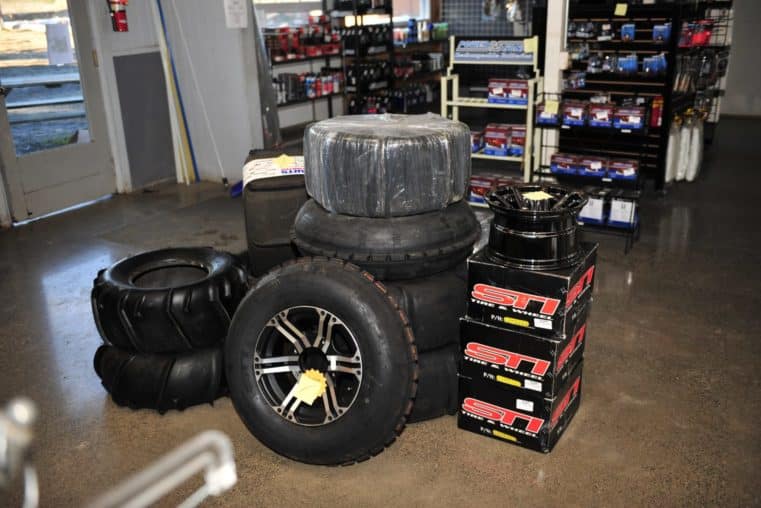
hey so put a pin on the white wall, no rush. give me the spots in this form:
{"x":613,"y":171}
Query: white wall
{"x":743,"y":96}
{"x":216,"y":70}
{"x":141,"y":38}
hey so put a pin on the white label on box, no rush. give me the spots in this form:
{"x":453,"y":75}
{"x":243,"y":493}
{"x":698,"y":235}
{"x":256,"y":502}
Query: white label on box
{"x":621,"y":211}
{"x":593,"y":209}
{"x":532,"y":385}
{"x":634,"y":119}
{"x":629,"y":171}
{"x":284,"y":165}
{"x":524,"y":405}
{"x":516,"y":93}
{"x":577,"y":112}
{"x":596,"y":165}
{"x":543,"y":323}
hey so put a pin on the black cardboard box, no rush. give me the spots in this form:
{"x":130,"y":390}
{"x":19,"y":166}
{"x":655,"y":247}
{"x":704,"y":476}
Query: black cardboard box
{"x":538,"y":365}
{"x":543,"y":303}
{"x":509,"y":415}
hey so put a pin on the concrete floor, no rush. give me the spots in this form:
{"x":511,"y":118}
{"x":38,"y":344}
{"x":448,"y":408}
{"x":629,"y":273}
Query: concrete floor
{"x":671,"y":402}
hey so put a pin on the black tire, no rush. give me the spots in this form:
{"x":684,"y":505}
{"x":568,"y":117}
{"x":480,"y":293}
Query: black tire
{"x":161,"y":382}
{"x":434,"y":305}
{"x":168,"y":301}
{"x":391,"y":249}
{"x":374,"y":414}
{"x":437,"y":384}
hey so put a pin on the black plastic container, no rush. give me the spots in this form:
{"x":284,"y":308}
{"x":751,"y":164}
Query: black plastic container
{"x":534,"y":226}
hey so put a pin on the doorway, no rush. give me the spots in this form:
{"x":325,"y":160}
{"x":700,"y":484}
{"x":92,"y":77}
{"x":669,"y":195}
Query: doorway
{"x":54,"y":147}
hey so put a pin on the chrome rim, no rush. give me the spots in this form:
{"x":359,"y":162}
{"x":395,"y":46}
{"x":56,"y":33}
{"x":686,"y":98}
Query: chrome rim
{"x":298,"y":339}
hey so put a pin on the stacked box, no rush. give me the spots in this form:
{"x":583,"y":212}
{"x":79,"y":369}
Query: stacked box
{"x":522,"y":344}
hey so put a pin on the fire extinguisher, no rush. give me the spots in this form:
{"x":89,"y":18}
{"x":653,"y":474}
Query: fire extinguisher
{"x":118,"y":10}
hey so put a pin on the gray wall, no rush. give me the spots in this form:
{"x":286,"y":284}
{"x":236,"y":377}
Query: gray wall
{"x":744,"y":78}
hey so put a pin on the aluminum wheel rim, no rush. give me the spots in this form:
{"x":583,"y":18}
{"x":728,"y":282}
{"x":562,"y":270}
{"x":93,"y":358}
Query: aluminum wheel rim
{"x":300,"y":338}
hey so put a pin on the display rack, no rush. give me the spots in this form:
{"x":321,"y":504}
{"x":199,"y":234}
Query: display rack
{"x":649,"y":147}
{"x":452,"y":102}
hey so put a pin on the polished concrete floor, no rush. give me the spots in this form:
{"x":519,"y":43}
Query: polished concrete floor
{"x":671,"y":404}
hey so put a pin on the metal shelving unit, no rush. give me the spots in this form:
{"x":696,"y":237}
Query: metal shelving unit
{"x":452,"y":101}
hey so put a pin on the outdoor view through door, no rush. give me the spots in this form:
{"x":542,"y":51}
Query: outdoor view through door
{"x":38,"y":67}
{"x":53,"y":140}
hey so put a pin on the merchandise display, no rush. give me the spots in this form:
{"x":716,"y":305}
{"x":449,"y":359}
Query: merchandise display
{"x":300,"y":43}
{"x":386,"y":165}
{"x":292,"y":87}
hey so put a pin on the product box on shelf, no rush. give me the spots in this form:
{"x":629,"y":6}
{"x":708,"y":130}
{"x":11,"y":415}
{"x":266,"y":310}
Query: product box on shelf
{"x":630,"y":117}
{"x":593,"y":166}
{"x":594,"y":211}
{"x":508,"y":91}
{"x":628,"y":32}
{"x":623,"y":169}
{"x":662,"y":33}
{"x":545,"y":303}
{"x":564,"y":164}
{"x":574,"y":113}
{"x":479,"y":186}
{"x":496,"y":139}
{"x":545,"y":117}
{"x":517,"y":141}
{"x":623,"y":212}
{"x":476,"y":141}
{"x":527,"y":362}
{"x":510,"y":415}
{"x":601,"y":115}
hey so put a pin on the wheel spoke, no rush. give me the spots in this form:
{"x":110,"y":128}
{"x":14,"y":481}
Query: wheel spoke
{"x":347,"y":364}
{"x":292,"y":334}
{"x":290,"y":400}
{"x":330,"y":402}
{"x":289,"y":364}
{"x":325,"y":330}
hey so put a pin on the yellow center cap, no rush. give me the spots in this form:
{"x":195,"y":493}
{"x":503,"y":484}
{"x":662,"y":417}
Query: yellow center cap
{"x":310,"y":386}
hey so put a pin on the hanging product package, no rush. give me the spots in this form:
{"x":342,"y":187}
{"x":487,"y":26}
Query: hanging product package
{"x":684,"y":150}
{"x":387,"y":165}
{"x":696,"y":150}
{"x":672,"y":155}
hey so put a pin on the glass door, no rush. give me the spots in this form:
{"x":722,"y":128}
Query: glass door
{"x":53,"y":143}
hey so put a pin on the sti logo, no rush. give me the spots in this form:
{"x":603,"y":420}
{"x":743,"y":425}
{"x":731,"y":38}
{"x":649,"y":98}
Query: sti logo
{"x":515,"y":299}
{"x":580,"y":286}
{"x":575,"y":342}
{"x":508,"y":359}
{"x":501,"y":414}
{"x":565,"y":402}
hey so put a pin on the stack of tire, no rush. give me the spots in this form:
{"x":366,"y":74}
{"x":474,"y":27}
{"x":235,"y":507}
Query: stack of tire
{"x":163,"y":316}
{"x":373,"y":308}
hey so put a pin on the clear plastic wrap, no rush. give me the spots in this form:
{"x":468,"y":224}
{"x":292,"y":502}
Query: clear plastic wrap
{"x":684,"y":150}
{"x":386,"y":165}
{"x":672,"y":153}
{"x":696,"y":150}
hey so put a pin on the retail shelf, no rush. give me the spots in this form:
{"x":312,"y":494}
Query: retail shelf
{"x":605,"y":132}
{"x":306,"y":59}
{"x":505,"y":158}
{"x":412,"y":46}
{"x":360,"y":12}
{"x":307,"y":100}
{"x":526,"y":63}
{"x":418,"y":76}
{"x":475,"y":102}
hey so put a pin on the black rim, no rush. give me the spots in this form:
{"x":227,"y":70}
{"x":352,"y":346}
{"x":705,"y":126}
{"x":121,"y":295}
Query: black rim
{"x":534,"y":226}
{"x":304,"y":338}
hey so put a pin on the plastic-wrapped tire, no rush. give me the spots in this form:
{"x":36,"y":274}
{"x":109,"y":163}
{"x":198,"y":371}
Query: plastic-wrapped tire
{"x":386,"y":165}
{"x":685,"y":143}
{"x":393,"y":248}
{"x":168,"y":301}
{"x":434,"y":306}
{"x":328,"y":316}
{"x":161,"y":382}
{"x":437,"y":384}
